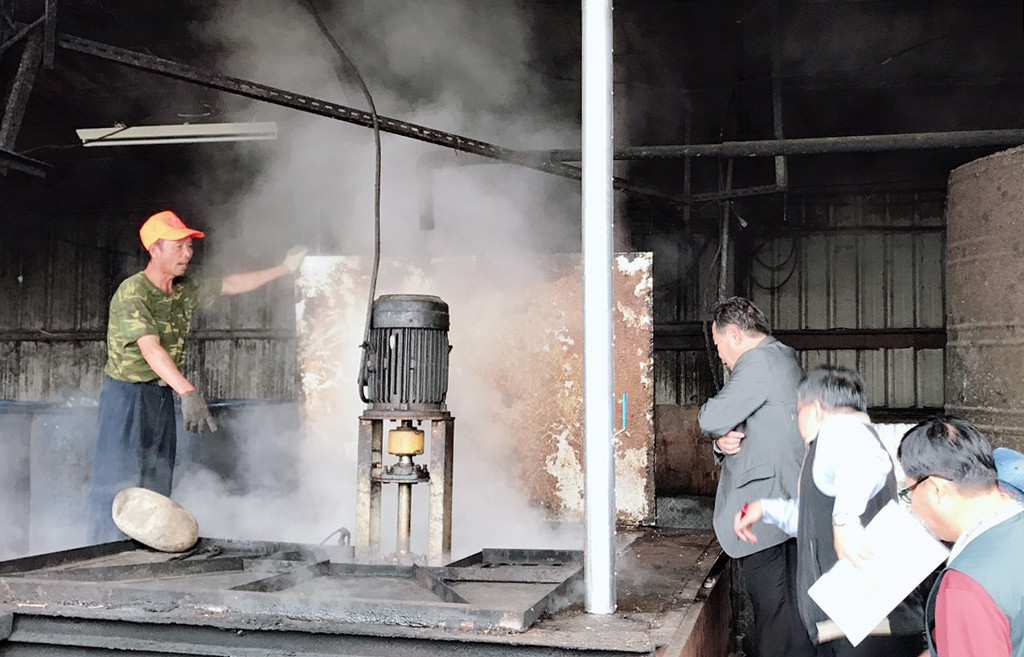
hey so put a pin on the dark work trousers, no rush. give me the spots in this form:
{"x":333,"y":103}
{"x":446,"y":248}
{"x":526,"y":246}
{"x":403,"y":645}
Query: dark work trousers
{"x":770,"y":577}
{"x":135,"y":448}
{"x":876,"y":646}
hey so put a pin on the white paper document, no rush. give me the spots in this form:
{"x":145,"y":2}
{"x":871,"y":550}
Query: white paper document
{"x":858,"y":599}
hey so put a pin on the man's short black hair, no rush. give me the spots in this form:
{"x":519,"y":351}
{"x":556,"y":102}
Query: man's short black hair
{"x":834,"y":388}
{"x":949,"y":447}
{"x":742,"y":313}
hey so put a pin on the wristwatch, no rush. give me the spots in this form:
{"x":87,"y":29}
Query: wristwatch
{"x":843,"y":519}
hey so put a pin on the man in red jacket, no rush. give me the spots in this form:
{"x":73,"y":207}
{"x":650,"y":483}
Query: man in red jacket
{"x":976,"y":607}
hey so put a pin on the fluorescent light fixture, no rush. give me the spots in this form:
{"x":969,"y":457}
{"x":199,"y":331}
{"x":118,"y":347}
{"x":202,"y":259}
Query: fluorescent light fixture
{"x":188,"y":133}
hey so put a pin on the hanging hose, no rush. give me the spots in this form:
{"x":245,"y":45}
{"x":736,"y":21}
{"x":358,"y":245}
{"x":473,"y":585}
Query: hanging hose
{"x":365,"y":346}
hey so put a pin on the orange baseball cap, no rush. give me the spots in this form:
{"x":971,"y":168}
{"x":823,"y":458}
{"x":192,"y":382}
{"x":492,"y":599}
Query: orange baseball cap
{"x":165,"y":226}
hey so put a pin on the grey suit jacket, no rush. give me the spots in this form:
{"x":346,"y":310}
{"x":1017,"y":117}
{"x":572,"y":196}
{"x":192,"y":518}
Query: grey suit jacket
{"x":759,"y":400}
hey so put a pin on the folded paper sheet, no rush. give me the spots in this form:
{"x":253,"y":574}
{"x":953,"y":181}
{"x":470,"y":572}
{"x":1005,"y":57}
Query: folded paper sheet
{"x":859,"y":599}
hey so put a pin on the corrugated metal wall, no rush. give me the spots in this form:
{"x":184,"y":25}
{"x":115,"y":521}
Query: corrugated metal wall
{"x":839,"y":262}
{"x":685,"y":286}
{"x":56,"y":278}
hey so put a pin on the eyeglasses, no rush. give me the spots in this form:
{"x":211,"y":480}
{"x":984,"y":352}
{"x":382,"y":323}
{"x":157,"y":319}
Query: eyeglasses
{"x":905,"y":493}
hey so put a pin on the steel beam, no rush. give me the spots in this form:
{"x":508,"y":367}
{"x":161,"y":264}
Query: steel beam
{"x":338,"y":112}
{"x":781,"y":173}
{"x":6,"y":43}
{"x":17,"y":100}
{"x":689,"y":336}
{"x":21,"y":163}
{"x":20,"y":89}
{"x":810,"y":145}
{"x":50,"y":32}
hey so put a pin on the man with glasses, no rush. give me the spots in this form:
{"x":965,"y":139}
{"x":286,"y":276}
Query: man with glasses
{"x":976,"y":607}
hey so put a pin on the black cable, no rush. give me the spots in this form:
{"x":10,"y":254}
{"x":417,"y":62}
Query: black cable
{"x":794,"y":262}
{"x":708,"y":343}
{"x":376,"y":191}
{"x":774,"y":266}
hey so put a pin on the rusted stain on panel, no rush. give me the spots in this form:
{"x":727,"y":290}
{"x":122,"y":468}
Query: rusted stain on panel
{"x":516,"y":365}
{"x":685,"y":462}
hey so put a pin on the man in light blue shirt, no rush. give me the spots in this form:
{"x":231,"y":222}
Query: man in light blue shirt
{"x":847,"y":477}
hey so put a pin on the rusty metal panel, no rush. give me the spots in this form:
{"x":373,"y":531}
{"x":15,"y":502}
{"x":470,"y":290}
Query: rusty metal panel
{"x":666,"y":376}
{"x":696,"y":374}
{"x":516,"y":365}
{"x":10,"y":284}
{"x":10,"y":369}
{"x":34,"y":358}
{"x":685,"y":461}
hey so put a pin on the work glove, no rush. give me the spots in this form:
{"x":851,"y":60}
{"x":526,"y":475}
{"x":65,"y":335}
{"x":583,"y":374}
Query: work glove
{"x":293,"y":259}
{"x":196,"y":413}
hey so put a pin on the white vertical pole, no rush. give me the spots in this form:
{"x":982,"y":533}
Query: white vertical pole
{"x":598,"y":372}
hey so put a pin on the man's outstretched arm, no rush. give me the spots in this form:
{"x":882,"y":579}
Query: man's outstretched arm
{"x":251,"y":280}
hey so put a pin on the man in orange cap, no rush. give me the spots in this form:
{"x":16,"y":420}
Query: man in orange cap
{"x":150,"y":317}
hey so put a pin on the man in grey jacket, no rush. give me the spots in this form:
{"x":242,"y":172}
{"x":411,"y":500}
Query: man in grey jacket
{"x":757,"y":443}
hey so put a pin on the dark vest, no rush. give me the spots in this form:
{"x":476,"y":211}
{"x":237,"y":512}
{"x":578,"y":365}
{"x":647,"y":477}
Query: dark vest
{"x":816,"y":551}
{"x":992,"y":560}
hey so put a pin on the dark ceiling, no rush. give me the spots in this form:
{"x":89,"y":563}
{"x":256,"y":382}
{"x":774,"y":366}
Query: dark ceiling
{"x":685,"y":72}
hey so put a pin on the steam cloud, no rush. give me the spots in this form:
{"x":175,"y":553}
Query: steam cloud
{"x":455,"y":65}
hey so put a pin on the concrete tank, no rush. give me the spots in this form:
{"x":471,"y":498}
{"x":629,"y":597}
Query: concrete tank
{"x":985,"y":265}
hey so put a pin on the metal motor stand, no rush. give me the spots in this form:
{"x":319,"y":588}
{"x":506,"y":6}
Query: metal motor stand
{"x":372,"y":474}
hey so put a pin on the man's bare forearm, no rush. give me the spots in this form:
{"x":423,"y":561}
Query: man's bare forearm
{"x":161,"y":362}
{"x":251,"y":280}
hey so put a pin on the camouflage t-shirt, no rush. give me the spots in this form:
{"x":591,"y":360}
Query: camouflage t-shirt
{"x":140,"y":308}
